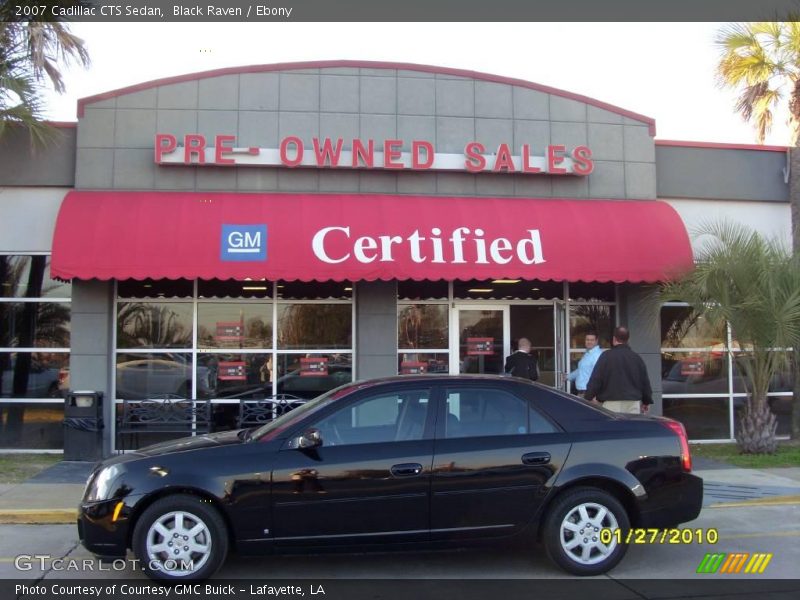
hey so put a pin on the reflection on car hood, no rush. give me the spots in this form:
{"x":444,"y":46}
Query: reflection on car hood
{"x":192,"y":443}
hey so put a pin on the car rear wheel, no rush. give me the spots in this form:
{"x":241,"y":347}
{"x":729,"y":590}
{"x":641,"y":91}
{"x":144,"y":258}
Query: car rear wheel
{"x":180,"y":538}
{"x":573,"y":531}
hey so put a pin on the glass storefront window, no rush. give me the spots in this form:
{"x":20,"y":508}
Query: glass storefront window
{"x":154,"y":325}
{"x":33,"y":384}
{"x":158,"y":375}
{"x":697,"y":373}
{"x":592,"y":291}
{"x":28,"y":276}
{"x":480,"y":340}
{"x":234,"y":325}
{"x":34,"y":374}
{"x":584,"y":318}
{"x":314,"y":326}
{"x":507,"y":289}
{"x":536,"y":324}
{"x":315,"y":290}
{"x":237,"y":376}
{"x":782,"y":380}
{"x":704,"y":418}
{"x":422,"y":326}
{"x":779,"y":404}
{"x":216,"y":288}
{"x":218,"y":345}
{"x":34,"y":324}
{"x":32,"y":425}
{"x":417,"y":363}
{"x":309,"y":375}
{"x":422,"y":290}
{"x":155,"y":288}
{"x":680,"y":328}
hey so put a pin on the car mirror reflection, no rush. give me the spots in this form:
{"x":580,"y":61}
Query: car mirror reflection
{"x":310,"y":439}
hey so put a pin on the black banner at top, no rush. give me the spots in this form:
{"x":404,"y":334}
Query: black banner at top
{"x":260,"y":11}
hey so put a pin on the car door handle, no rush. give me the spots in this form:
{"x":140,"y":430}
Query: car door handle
{"x":406,"y":470}
{"x":536,"y":458}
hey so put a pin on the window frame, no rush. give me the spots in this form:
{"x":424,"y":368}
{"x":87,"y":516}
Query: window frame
{"x":442,"y":411}
{"x":273,"y":300}
{"x":372,"y":394}
{"x":37,"y":400}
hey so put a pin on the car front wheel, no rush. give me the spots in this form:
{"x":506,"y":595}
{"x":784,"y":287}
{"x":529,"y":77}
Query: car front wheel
{"x":180,"y":538}
{"x":580,"y":531}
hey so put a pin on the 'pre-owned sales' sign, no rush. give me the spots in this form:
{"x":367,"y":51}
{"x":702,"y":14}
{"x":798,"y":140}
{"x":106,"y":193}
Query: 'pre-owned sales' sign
{"x":330,"y":153}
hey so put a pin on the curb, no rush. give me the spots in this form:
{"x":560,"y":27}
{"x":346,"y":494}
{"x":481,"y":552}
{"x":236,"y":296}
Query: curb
{"x":35,"y":516}
{"x":772,"y":501}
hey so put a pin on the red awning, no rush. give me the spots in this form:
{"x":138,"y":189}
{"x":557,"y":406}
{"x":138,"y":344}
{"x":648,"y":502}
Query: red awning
{"x":122,"y":235}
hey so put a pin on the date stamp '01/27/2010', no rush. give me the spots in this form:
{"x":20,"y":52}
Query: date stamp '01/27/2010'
{"x":660,"y":536}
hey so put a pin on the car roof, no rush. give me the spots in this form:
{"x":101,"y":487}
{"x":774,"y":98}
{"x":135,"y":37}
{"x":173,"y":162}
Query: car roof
{"x":433,"y":377}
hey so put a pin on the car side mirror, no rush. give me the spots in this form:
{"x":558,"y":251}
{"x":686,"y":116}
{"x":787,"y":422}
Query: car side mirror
{"x":310,"y":439}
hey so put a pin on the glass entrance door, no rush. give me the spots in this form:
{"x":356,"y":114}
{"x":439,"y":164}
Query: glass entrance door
{"x":561,"y":337}
{"x":479,"y":339}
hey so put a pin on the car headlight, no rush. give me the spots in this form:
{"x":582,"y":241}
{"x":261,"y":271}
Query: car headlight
{"x":99,"y":485}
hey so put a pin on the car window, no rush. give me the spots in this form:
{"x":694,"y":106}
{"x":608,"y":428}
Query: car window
{"x":387,"y":417}
{"x":475,"y":412}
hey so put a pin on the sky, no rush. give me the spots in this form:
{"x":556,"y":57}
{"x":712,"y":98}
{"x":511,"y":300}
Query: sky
{"x":660,"y":70}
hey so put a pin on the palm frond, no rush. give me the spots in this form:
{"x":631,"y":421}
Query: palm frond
{"x":760,"y":59}
{"x":31,"y":53}
{"x":47,"y":44}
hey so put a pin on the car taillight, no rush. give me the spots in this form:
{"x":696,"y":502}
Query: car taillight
{"x":680,"y":431}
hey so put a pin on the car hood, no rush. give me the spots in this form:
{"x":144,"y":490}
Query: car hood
{"x":225,"y":438}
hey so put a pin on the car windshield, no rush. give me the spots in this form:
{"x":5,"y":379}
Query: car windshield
{"x":277,"y":426}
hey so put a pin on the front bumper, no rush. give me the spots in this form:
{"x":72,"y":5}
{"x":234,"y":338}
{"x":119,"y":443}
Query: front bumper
{"x":103,"y":528}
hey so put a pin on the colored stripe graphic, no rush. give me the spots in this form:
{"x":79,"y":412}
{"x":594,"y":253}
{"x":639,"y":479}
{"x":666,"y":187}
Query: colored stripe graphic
{"x":758,"y":563}
{"x":733,"y":561}
{"x":711,"y":563}
{"x":721,"y":562}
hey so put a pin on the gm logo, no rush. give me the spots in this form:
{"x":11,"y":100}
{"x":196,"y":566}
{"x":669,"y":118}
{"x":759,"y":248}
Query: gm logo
{"x":243,"y":242}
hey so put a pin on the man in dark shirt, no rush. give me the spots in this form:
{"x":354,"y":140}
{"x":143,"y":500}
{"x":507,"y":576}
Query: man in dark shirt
{"x":521,"y":363}
{"x":619,"y":380}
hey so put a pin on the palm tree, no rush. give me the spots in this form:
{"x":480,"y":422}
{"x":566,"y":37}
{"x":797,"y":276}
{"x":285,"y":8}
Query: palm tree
{"x":763,"y":61}
{"x":754,"y":285}
{"x":31,"y":53}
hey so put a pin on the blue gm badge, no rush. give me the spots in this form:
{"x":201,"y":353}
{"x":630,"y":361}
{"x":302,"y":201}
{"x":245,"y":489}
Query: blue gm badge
{"x":243,"y":243}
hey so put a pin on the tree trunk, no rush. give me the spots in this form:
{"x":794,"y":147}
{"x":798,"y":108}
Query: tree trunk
{"x":757,"y":429}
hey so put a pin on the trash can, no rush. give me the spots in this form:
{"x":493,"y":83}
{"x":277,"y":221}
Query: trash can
{"x":83,"y":426}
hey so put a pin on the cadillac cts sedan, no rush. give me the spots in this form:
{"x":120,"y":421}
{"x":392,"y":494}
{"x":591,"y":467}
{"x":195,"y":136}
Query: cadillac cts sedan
{"x":431,"y":459}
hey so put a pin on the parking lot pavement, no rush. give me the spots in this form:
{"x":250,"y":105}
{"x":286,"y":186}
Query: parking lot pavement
{"x":742,"y":529}
{"x":25,"y":541}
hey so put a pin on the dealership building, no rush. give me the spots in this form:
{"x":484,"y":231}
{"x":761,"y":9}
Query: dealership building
{"x":278,"y":230}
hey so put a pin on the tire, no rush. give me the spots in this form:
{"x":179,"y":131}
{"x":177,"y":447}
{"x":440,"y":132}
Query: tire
{"x":574,"y":512}
{"x":202,"y":552}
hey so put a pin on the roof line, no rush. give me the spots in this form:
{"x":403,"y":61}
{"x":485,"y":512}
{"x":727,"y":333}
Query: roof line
{"x":63,"y":124}
{"x":326,"y":64}
{"x":721,"y":145}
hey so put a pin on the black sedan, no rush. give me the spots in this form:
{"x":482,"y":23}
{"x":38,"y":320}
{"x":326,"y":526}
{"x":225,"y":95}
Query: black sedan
{"x":435,"y":460}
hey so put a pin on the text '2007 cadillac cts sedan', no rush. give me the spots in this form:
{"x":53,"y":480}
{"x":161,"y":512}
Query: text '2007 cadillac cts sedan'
{"x":426,"y":459}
